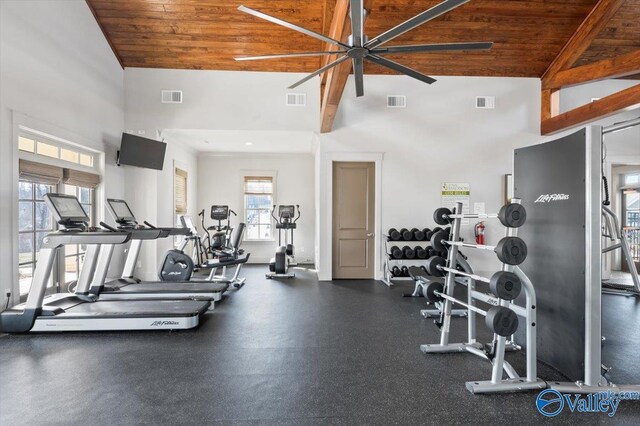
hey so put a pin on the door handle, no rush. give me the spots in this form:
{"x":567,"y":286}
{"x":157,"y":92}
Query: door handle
{"x":370,"y":235}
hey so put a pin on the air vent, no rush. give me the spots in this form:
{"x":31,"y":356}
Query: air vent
{"x":396,"y":101}
{"x":486,"y":102}
{"x":172,"y":96}
{"x":296,"y":99}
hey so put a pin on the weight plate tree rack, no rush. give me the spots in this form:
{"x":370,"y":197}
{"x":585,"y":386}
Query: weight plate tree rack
{"x":389,"y":260}
{"x":561,"y":183}
{"x":502,"y":316}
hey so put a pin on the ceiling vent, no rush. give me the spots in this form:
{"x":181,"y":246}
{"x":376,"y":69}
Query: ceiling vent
{"x":296,"y":99}
{"x":172,"y":96}
{"x":396,"y":101}
{"x":486,"y":102}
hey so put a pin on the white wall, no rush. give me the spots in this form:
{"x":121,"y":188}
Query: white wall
{"x":439,"y":137}
{"x":57,"y":69}
{"x":220,"y":180}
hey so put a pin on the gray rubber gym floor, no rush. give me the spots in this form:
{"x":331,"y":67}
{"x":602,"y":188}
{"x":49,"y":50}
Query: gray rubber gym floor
{"x":284,"y":352}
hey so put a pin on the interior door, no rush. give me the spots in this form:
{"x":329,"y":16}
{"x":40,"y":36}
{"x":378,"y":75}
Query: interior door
{"x":353,"y":220}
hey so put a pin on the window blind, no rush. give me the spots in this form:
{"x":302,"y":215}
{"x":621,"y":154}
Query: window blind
{"x":257,"y":185}
{"x":40,"y":173}
{"x":83,"y":179}
{"x":180,"y":191}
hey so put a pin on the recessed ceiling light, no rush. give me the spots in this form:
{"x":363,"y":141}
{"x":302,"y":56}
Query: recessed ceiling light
{"x":248,"y":143}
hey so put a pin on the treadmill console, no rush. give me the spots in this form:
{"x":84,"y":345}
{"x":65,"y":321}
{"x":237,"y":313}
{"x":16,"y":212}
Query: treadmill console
{"x":219,"y":212}
{"x":67,"y":211}
{"x":121,"y":213}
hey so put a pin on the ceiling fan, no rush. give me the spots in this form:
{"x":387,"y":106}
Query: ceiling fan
{"x":360,"y":48}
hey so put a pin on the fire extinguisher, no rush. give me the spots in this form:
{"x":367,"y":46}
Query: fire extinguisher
{"x":479,"y":231}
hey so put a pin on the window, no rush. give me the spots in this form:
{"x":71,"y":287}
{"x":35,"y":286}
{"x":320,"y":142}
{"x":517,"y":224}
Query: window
{"x":633,"y":179}
{"x":180,"y":178}
{"x":258,"y":201}
{"x":34,"y":222}
{"x":50,"y":149}
{"x":74,"y":254}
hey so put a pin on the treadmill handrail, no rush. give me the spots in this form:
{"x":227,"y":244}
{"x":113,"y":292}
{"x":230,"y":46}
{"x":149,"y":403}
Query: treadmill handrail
{"x":61,"y":238}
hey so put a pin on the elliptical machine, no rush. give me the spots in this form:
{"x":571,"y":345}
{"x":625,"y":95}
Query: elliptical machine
{"x":285,"y":254}
{"x":220,"y":235}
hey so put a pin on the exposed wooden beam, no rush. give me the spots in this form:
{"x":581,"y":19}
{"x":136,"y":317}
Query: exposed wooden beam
{"x":624,"y":100}
{"x":334,"y":80}
{"x":621,"y":66}
{"x":550,"y":103}
{"x":104,"y":33}
{"x":590,"y":28}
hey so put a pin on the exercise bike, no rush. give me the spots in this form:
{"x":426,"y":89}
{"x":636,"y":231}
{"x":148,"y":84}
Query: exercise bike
{"x":285,"y":254}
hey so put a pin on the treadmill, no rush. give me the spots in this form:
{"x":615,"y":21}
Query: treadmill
{"x":73,"y":312}
{"x":128,"y":287}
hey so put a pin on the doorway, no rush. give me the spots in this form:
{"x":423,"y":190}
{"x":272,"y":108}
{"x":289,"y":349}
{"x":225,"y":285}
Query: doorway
{"x":353,"y":245}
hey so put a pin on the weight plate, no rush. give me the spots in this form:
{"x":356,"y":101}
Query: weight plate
{"x":429,"y":292}
{"x":437,"y":240}
{"x":441,"y":216}
{"x":512,"y":215}
{"x":505,"y":285}
{"x":502,"y":321}
{"x":432,"y":266}
{"x":511,"y":250}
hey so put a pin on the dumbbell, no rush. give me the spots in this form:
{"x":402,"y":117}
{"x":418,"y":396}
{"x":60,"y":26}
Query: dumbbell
{"x":418,"y":235}
{"x":406,"y":234}
{"x":426,"y":233}
{"x":404,"y":271}
{"x":503,"y":284}
{"x":421,"y":253}
{"x":510,"y":250}
{"x":431,"y":252}
{"x":396,"y":272}
{"x":394,"y":234}
{"x":396,"y":252}
{"x":499,"y":319}
{"x":408,"y":252}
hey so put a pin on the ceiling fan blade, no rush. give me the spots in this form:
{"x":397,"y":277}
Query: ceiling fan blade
{"x":320,"y":71}
{"x":357,"y":21}
{"x":358,"y":74}
{"x":412,"y":23}
{"x":400,"y":68}
{"x":292,"y":26}
{"x":433,"y":47}
{"x":288,"y":55}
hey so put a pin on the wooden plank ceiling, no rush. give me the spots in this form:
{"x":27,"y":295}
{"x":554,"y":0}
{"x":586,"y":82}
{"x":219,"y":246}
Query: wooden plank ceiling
{"x":207,"y":34}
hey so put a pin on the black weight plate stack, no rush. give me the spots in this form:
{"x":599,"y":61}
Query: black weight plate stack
{"x":505,"y":285}
{"x":502,"y":321}
{"x":433,"y":265}
{"x":441,"y":216}
{"x":511,"y":250}
{"x":512,"y":215}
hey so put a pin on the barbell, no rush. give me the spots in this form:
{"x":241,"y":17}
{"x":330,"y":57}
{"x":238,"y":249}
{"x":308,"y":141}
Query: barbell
{"x":511,"y":215}
{"x":510,"y":250}
{"x":499,"y":319}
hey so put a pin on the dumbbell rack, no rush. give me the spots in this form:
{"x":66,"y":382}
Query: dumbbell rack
{"x":388,"y":261}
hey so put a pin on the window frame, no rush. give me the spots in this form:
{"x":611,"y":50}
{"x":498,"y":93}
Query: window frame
{"x":259,"y":174}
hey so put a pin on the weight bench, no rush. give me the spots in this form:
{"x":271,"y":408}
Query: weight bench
{"x":223,"y":262}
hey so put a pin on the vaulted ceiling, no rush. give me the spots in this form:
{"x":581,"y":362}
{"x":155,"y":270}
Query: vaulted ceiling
{"x":207,"y":34}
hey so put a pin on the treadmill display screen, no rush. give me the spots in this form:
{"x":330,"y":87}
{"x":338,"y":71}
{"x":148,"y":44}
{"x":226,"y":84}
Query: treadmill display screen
{"x":120,"y":210}
{"x":67,"y":207}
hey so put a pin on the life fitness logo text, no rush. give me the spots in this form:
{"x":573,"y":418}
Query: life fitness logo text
{"x":548,"y":198}
{"x":163,"y":323}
